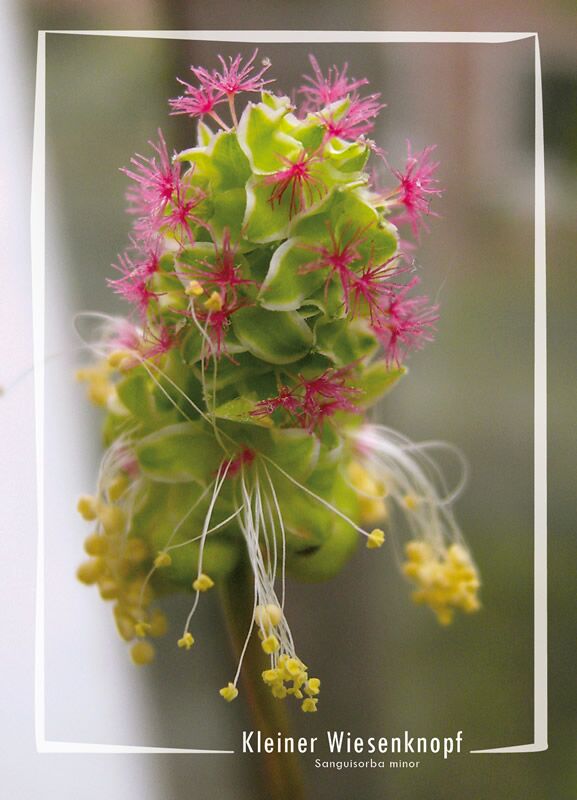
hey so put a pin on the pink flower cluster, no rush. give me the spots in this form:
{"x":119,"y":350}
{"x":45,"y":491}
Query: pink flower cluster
{"x":220,"y":86}
{"x":165,"y":201}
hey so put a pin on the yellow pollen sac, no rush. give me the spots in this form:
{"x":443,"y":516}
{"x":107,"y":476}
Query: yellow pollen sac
{"x":214,"y":302}
{"x":410,"y":502}
{"x":194,"y":289}
{"x":87,"y":506}
{"x":203,"y":583}
{"x":96,"y":544}
{"x":268,"y":616}
{"x":279,"y":691}
{"x":124,"y":624}
{"x":293,"y":667}
{"x":446,"y":580}
{"x":270,"y":645}
{"x":376,"y":538}
{"x":362,"y":480}
{"x":112,"y":519}
{"x":90,"y":571}
{"x":108,"y":588}
{"x":141,"y":629}
{"x":309,"y":705}
{"x":186,"y":641}
{"x":135,"y":550}
{"x":117,"y":487}
{"x":271,"y":676}
{"x":163,"y":559}
{"x":229,"y":692}
{"x":116,"y":358}
{"x":142,"y":653}
{"x":313,"y":686}
{"x":158,"y":624}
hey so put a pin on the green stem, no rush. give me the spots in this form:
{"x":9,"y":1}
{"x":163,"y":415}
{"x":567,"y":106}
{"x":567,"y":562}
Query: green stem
{"x":280,"y":772}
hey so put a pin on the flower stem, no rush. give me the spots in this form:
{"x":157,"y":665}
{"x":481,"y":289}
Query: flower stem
{"x":280,"y":772}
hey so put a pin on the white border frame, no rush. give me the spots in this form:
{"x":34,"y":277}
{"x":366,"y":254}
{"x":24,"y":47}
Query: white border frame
{"x":540,"y":723}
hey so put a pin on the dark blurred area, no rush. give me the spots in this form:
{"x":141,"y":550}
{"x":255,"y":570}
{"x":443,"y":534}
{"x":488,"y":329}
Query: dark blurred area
{"x":386,"y":665}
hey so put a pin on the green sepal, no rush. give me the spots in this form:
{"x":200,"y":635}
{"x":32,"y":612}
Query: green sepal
{"x":178,"y":454}
{"x":376,"y":380}
{"x":277,"y":337}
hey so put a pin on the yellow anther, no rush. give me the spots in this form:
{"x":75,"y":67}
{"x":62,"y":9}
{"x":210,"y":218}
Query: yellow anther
{"x":268,"y":616}
{"x":279,"y":691}
{"x":138,"y":592}
{"x":108,"y":588}
{"x":158,"y":624}
{"x":87,"y":507}
{"x":112,"y":519}
{"x":309,"y":705}
{"x":135,"y":550}
{"x":271,"y":676}
{"x":163,"y":559}
{"x":313,"y":686}
{"x":96,"y":544}
{"x":375,"y":539}
{"x":142,"y":653}
{"x":203,"y":583}
{"x":410,"y":502}
{"x":194,"y":289}
{"x":214,"y":302}
{"x":141,"y":629}
{"x":99,"y":392}
{"x":417,"y":551}
{"x":186,"y":641}
{"x":229,"y":692}
{"x":372,"y":511}
{"x":117,"y":487}
{"x":446,"y":580}
{"x":90,"y":571}
{"x":116,"y":358}
{"x":362,"y":480}
{"x":293,"y":667}
{"x":124,"y":624}
{"x":270,"y":644}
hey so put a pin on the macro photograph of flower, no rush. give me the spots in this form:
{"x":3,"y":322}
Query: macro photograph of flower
{"x":278,"y":365}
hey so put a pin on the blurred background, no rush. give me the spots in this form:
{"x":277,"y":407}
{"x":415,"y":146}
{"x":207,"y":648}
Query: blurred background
{"x":394,"y":669}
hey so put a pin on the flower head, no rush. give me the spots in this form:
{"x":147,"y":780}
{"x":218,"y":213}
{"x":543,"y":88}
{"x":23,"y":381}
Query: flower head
{"x":320,"y":90}
{"x":234,"y":76}
{"x":197,"y":101}
{"x":404,"y":323}
{"x":356,"y":121}
{"x":156,"y":181}
{"x":416,"y":188}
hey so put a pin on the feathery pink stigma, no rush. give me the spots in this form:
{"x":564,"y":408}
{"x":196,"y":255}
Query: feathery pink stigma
{"x":133,"y":285}
{"x":217,"y":322}
{"x":323,"y":91}
{"x":181,"y":216}
{"x":356,"y":121}
{"x":157,"y":343}
{"x":196,"y":101}
{"x":285,"y":399}
{"x":223,"y":273}
{"x":405,"y":323}
{"x":155,"y":183}
{"x":373,"y":284}
{"x":416,"y":188}
{"x":338,"y":258}
{"x":235,"y":76}
{"x":303,"y":185}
